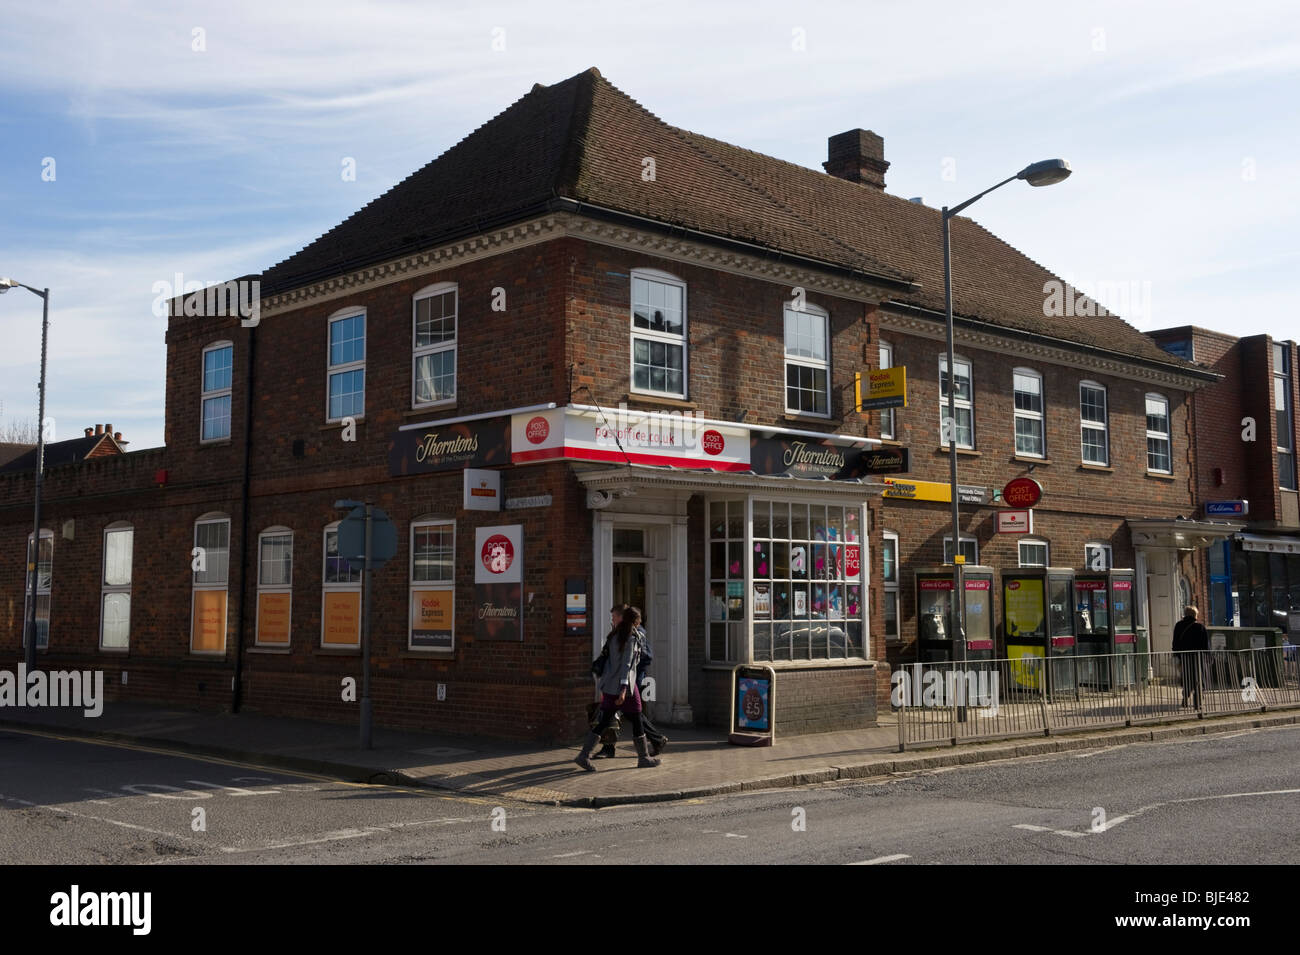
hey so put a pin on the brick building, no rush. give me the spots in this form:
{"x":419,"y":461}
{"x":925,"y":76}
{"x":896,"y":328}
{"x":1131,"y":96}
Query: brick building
{"x":649,"y":339}
{"x":1245,"y":432}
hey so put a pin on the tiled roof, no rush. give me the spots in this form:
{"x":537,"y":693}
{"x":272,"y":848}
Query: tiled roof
{"x":59,"y":452}
{"x":583,"y":139}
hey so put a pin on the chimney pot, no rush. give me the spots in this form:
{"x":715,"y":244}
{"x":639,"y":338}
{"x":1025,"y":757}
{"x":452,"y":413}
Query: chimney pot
{"x":108,"y":429}
{"x":857,"y":155}
{"x":117,"y":436}
{"x":99,"y":429}
{"x":90,"y":432}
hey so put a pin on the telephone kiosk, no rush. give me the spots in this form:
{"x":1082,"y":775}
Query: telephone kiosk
{"x":1039,"y":628}
{"x":937,"y":636}
{"x":1106,"y":625}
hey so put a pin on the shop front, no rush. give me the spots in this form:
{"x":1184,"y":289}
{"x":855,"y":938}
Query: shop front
{"x":769,"y":564}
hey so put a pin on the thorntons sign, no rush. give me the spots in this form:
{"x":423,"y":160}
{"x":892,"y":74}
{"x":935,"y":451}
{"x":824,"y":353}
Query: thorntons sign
{"x":808,"y":457}
{"x":469,"y":444}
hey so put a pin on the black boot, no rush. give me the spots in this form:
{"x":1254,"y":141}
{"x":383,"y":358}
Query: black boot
{"x":644,"y":761}
{"x":583,"y":759}
{"x":606,"y":752}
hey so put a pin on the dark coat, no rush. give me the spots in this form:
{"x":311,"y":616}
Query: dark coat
{"x":1190,"y":634}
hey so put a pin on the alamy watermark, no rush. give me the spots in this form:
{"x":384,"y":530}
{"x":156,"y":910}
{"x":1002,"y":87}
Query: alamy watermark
{"x":81,"y":688}
{"x":242,"y":297}
{"x":1130,"y":300}
{"x":945,"y":687}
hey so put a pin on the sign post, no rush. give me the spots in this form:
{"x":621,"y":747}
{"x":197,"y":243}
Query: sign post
{"x":366,"y":536}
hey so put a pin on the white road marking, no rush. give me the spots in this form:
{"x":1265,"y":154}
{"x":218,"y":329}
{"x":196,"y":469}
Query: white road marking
{"x":85,"y":815}
{"x":570,"y":855}
{"x":732,"y":835}
{"x":102,"y":792}
{"x":1112,"y":823}
{"x":233,"y":790}
{"x":142,"y":789}
{"x":1060,"y":832}
{"x":881,"y":860}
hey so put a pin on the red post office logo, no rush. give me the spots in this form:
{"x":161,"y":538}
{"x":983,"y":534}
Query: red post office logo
{"x":537,"y":430}
{"x":498,"y":554}
{"x":1022,"y":492}
{"x":712,"y":442}
{"x":852,"y":560}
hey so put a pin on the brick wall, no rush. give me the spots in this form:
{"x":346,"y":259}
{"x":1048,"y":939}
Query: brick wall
{"x":1080,"y":503}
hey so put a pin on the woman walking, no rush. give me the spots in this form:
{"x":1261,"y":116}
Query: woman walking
{"x":619,"y":691}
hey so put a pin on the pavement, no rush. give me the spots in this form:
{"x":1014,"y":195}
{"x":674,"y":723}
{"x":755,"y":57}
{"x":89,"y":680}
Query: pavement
{"x":696,"y":763}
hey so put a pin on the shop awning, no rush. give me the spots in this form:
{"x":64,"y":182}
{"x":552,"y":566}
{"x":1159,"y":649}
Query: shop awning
{"x":1180,"y":533}
{"x":1272,"y":545}
{"x":603,"y":484}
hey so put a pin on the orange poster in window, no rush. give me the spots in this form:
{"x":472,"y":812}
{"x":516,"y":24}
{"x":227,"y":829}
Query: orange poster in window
{"x":342,"y":618}
{"x":208,"y":626}
{"x":273,"y":618}
{"x":432,"y":619}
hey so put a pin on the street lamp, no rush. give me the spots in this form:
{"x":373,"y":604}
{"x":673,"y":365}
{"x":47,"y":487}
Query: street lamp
{"x":1044,"y":173}
{"x":29,"y":652}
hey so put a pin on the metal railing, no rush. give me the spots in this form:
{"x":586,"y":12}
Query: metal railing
{"x":966,"y":701}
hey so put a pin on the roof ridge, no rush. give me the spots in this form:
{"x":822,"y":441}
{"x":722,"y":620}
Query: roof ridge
{"x":687,"y":138}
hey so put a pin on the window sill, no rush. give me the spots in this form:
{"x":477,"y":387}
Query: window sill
{"x":273,"y":650}
{"x":808,"y":418}
{"x":968,"y":452}
{"x":116,"y":651}
{"x":890,"y":442}
{"x":779,"y":665}
{"x":1026,"y":459}
{"x":1161,"y":476}
{"x":646,"y":399}
{"x":425,"y":411}
{"x":338,"y":425}
{"x":1097,"y":467}
{"x":216,"y":443}
{"x":430,"y":654}
{"x":336,"y":651}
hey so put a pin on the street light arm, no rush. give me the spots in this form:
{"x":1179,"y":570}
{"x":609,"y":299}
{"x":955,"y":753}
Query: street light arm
{"x":6,"y":284}
{"x":949,"y":213}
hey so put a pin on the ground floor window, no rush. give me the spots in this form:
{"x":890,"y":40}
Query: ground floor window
{"x":789,"y":575}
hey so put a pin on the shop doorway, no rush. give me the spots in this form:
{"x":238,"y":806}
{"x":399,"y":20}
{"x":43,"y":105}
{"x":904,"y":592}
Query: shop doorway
{"x":630,"y":586}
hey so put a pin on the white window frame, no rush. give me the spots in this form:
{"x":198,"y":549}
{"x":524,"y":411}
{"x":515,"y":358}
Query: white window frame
{"x":265,"y":588}
{"x":1166,"y":436}
{"x":1105,"y":548}
{"x":32,"y":589}
{"x":328,"y":586}
{"x":211,"y":585}
{"x":1036,"y":542}
{"x":1087,"y":424}
{"x":891,"y":590}
{"x":1039,"y":416}
{"x":947,"y":548}
{"x":1284,"y":429}
{"x":682,"y":341}
{"x":106,"y":589}
{"x":803,"y":361}
{"x":418,"y":351}
{"x":958,"y":403}
{"x":448,"y":585}
{"x":216,"y":393}
{"x":332,"y":370}
{"x":886,"y":414}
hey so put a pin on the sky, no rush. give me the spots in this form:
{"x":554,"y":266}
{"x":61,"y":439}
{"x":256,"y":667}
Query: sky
{"x":142,"y":141}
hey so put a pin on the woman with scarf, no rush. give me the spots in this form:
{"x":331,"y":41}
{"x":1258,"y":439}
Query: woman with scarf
{"x":619,"y":692}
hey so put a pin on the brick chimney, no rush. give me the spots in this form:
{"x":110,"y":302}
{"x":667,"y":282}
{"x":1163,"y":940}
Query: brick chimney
{"x":99,"y":429}
{"x":90,"y":432}
{"x":858,"y":156}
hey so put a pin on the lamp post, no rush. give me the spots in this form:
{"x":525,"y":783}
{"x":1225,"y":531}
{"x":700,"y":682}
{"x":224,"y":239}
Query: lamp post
{"x":29,"y":652}
{"x":1044,"y":173}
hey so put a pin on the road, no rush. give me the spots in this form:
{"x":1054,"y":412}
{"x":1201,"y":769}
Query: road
{"x":1203,"y":800}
